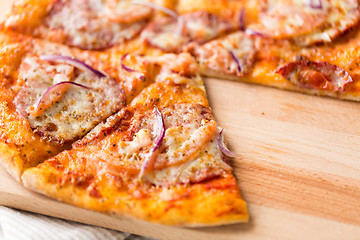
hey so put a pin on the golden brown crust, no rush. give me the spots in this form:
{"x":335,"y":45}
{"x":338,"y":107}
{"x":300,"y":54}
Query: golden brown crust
{"x":203,"y":204}
{"x":11,"y":160}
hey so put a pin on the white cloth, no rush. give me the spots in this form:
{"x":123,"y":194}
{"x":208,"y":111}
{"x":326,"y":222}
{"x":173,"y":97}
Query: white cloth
{"x":20,"y":225}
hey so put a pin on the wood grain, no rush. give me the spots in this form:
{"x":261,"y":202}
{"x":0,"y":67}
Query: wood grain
{"x":299,"y":168}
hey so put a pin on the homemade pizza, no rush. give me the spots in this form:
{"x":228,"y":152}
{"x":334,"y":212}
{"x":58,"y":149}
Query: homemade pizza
{"x":103,"y":104}
{"x":120,"y":134}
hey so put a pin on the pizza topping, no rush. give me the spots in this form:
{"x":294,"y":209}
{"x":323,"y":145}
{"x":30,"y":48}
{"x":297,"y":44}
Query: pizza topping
{"x":316,"y":75}
{"x":306,"y":21}
{"x":171,"y":34}
{"x":242,"y":20}
{"x":202,"y":26}
{"x":206,"y":165}
{"x":287,"y":18}
{"x":316,"y":4}
{"x":69,"y":111}
{"x":157,"y":7}
{"x":233,"y":55}
{"x":149,"y":162}
{"x":186,"y":152}
{"x":127,"y":11}
{"x":183,"y":64}
{"x":165,"y":35}
{"x":236,"y":60}
{"x":81,"y":23}
{"x":223,"y":147}
{"x":130,"y":70}
{"x":71,"y":61}
{"x":252,"y":32}
{"x":189,"y":130}
{"x":52,"y":94}
{"x":187,"y":148}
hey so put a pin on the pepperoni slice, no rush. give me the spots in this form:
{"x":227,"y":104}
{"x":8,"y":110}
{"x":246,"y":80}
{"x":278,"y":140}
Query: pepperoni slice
{"x":72,"y":111}
{"x":86,"y":24}
{"x":165,"y":34}
{"x":202,"y":26}
{"x":126,"y":11}
{"x":306,"y":21}
{"x":233,"y":55}
{"x":171,"y":34}
{"x":316,"y":75}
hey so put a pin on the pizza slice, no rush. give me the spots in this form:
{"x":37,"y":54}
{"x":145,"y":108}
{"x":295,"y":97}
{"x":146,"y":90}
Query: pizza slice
{"x":161,"y":159}
{"x":49,"y":96}
{"x":326,"y":70}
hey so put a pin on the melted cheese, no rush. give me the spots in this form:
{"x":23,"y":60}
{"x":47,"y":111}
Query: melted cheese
{"x":217,"y":55}
{"x":84,"y":25}
{"x":165,"y":34}
{"x":307,"y":24}
{"x":207,"y":164}
{"x":77,"y":111}
{"x":126,"y":11}
{"x":188,"y":151}
{"x":202,"y":26}
{"x":343,"y":16}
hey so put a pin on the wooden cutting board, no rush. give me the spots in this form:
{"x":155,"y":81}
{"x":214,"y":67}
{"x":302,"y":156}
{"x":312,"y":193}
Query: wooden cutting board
{"x":299,"y":168}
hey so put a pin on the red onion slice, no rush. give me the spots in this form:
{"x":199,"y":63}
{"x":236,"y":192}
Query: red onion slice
{"x":159,"y":128}
{"x":252,"y":32}
{"x":317,"y":4}
{"x":157,"y":7}
{"x":72,"y":61}
{"x":53,"y":87}
{"x":223,"y":147}
{"x":239,"y":68}
{"x":242,"y":20}
{"x":126,"y":68}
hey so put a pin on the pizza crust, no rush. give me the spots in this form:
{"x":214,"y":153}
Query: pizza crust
{"x":189,"y":212}
{"x":11,"y":161}
{"x":189,"y":184}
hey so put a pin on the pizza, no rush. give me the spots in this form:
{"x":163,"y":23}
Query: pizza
{"x":311,"y":45}
{"x":123,"y":134}
{"x":125,"y":140}
{"x":50,"y":98}
{"x":103,"y":104}
{"x":120,"y":166}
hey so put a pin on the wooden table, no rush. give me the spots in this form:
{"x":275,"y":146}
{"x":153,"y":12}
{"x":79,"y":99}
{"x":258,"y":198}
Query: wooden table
{"x":299,"y":168}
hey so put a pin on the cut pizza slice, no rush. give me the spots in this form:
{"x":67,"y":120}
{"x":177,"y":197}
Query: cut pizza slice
{"x":50,"y":97}
{"x":160,"y":159}
{"x":327,"y":70}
